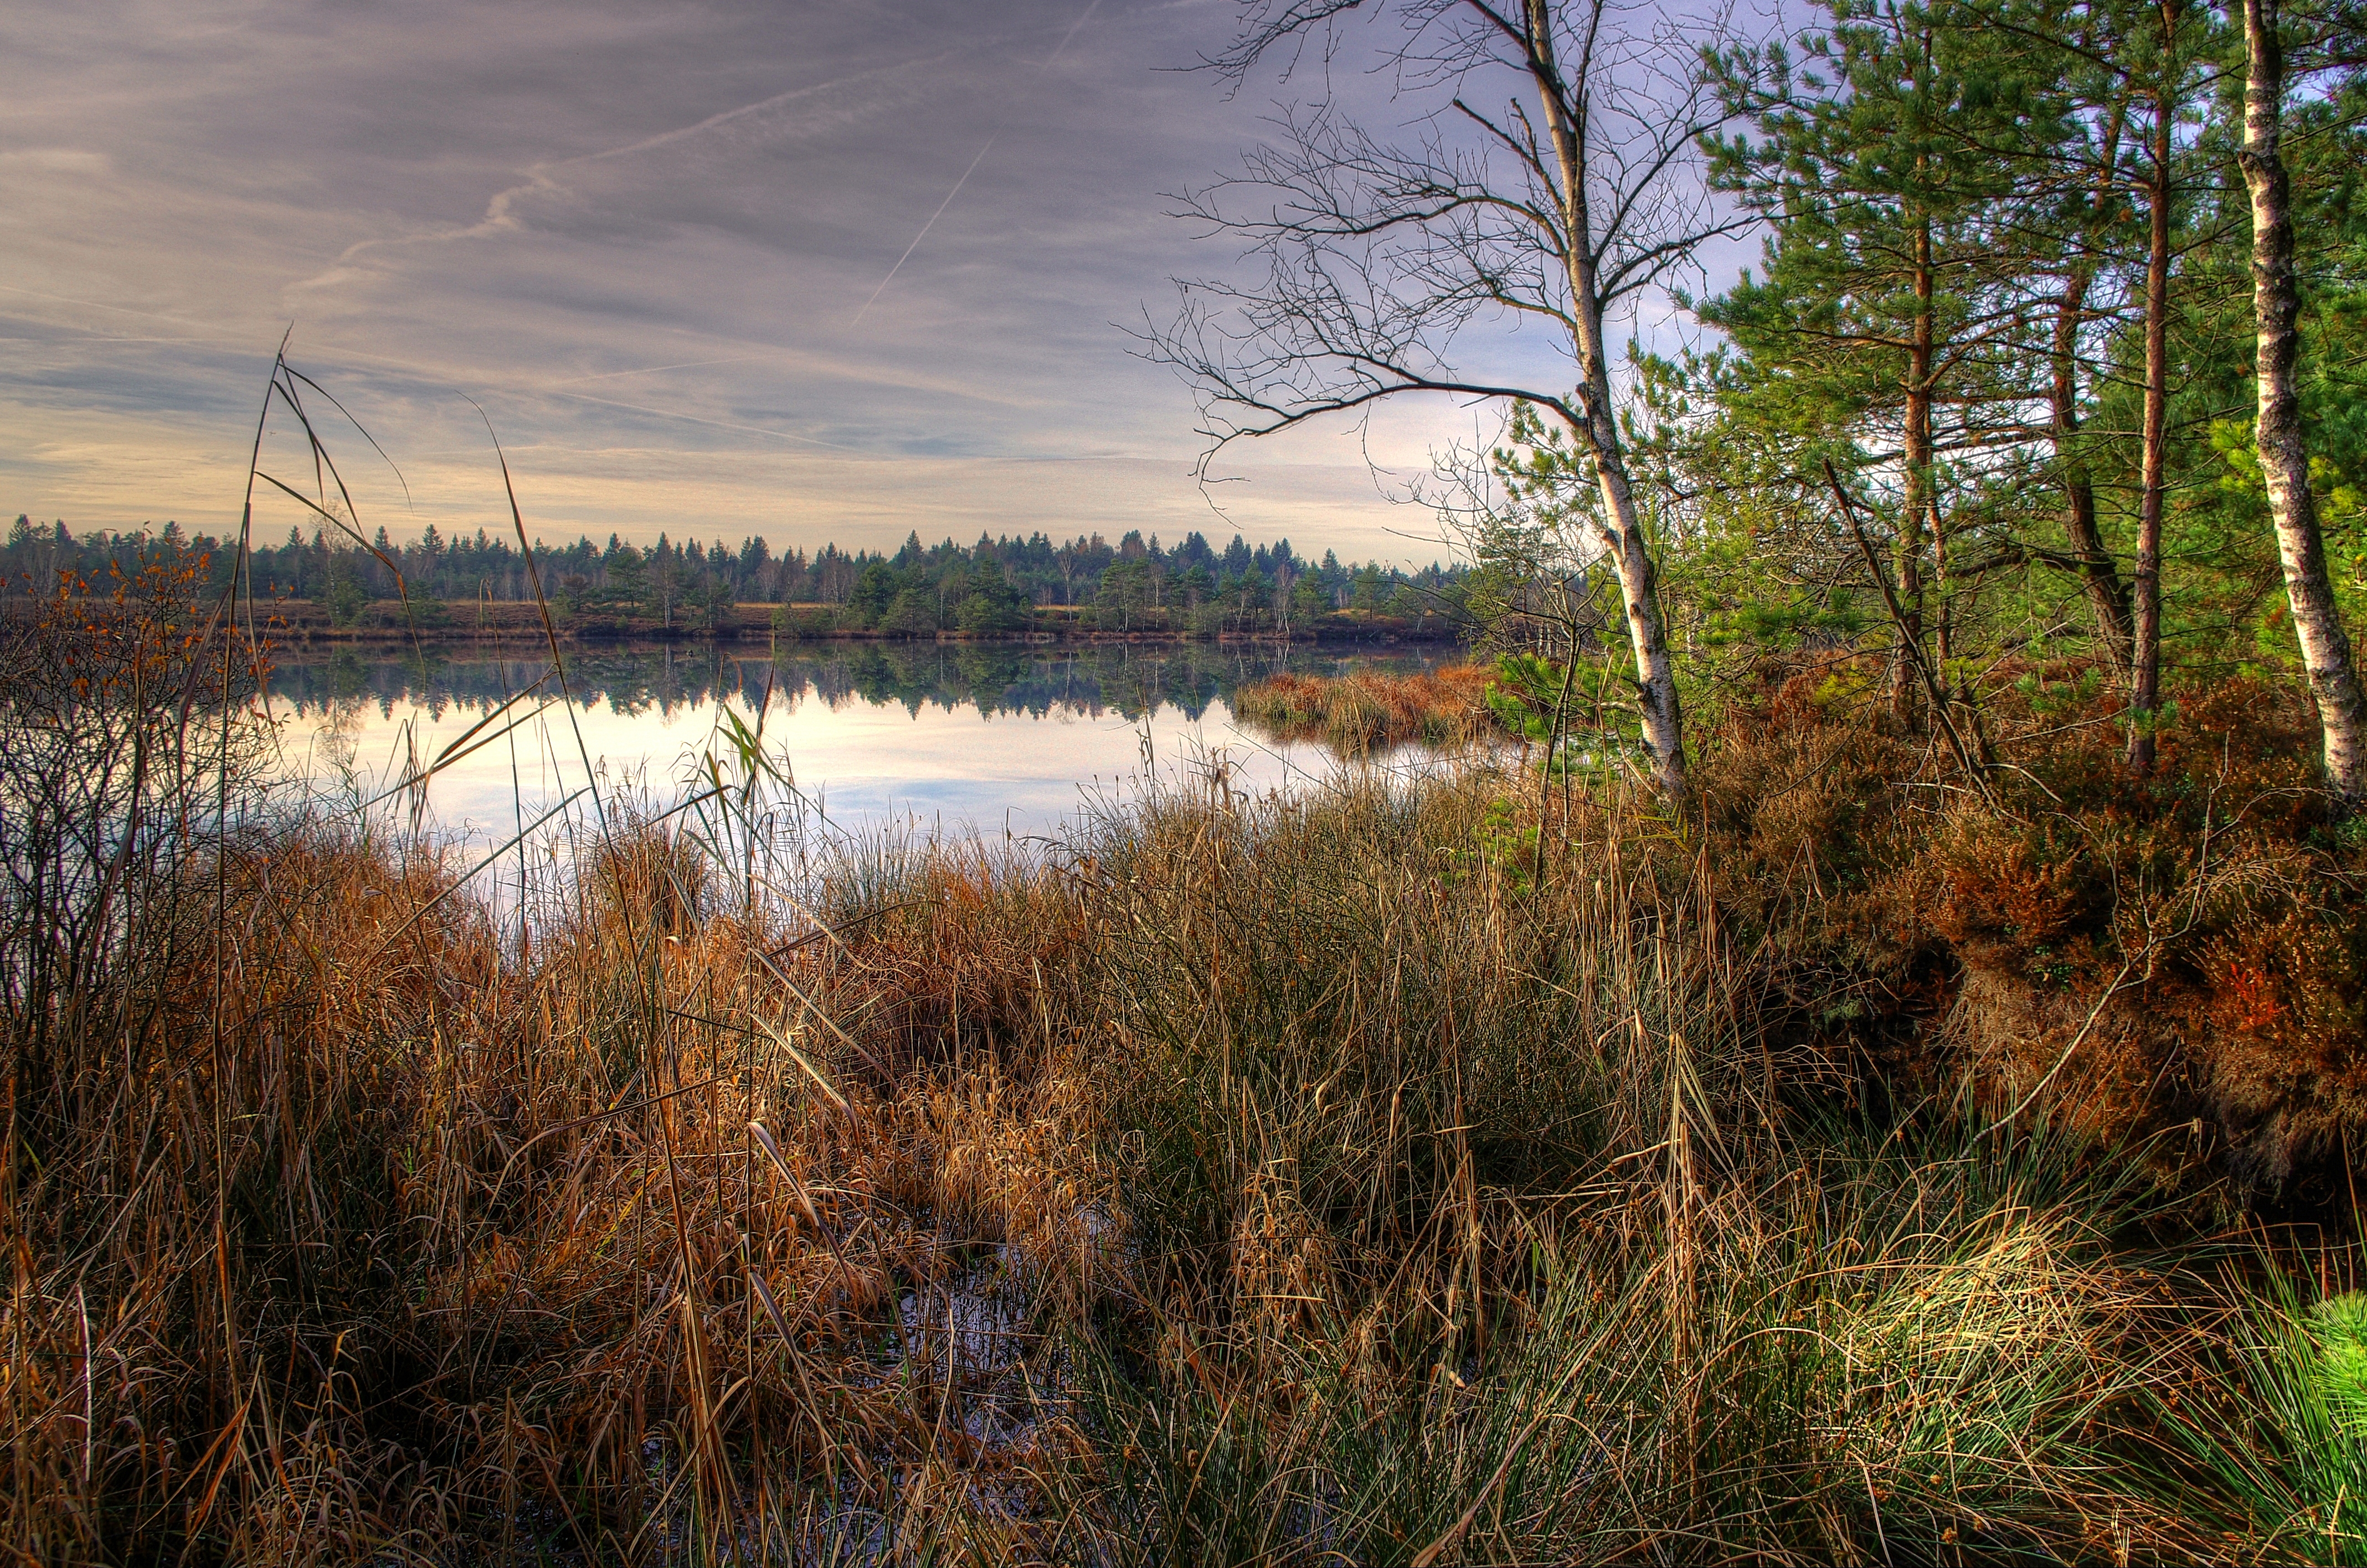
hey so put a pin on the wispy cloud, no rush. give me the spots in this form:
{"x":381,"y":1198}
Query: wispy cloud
{"x":821,"y":107}
{"x":57,"y":161}
{"x":655,"y":242}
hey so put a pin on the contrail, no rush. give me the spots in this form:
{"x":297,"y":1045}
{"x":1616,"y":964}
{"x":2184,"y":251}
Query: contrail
{"x":653,"y":369}
{"x":498,"y":216}
{"x":974,"y":162}
{"x":923,"y":234}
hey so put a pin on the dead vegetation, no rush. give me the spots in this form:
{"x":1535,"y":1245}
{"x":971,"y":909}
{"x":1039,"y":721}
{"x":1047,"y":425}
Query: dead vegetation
{"x":2171,"y":962}
{"x":1466,"y":1172}
{"x":2182,"y":950}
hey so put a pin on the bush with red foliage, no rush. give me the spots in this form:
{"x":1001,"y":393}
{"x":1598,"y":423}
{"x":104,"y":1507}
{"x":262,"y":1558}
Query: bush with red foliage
{"x":2175,"y":959}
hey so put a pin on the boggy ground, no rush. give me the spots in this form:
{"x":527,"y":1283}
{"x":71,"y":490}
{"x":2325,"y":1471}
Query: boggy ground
{"x":1371,"y":1177}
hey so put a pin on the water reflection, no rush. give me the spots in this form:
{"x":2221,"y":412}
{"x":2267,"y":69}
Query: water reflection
{"x":993,"y":678}
{"x":947,"y":737}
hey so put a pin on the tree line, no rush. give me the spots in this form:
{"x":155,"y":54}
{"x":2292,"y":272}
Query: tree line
{"x":994,"y":585}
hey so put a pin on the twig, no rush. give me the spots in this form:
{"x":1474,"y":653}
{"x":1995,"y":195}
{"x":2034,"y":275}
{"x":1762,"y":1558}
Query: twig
{"x":2093,"y":1013}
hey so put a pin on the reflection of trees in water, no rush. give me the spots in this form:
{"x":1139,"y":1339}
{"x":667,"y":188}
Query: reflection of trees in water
{"x":995,"y":678}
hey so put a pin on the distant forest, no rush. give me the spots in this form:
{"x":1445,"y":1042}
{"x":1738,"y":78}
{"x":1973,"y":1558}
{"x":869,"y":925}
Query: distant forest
{"x":995,"y":584}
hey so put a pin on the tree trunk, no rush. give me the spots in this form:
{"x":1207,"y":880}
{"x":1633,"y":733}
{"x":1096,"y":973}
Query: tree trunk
{"x":2284,"y":455}
{"x":1909,"y":549}
{"x":2145,"y":662}
{"x":2108,"y":596}
{"x":1622,"y":528}
{"x":1944,"y":624}
{"x":1631,"y":557}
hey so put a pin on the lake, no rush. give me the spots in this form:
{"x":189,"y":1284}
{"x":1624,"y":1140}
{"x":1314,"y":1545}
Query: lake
{"x":938,"y":738}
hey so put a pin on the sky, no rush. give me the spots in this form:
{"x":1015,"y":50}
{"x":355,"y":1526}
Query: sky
{"x":810,"y":269}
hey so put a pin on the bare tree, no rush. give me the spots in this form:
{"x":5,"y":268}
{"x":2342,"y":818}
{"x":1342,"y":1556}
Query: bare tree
{"x":1550,"y":179}
{"x":2285,"y":454}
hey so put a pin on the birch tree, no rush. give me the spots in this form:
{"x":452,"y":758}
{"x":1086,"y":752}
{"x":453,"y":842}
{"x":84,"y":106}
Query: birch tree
{"x":2283,"y":452}
{"x":1549,"y":177}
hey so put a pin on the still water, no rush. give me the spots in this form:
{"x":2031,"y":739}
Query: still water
{"x":934,"y":737}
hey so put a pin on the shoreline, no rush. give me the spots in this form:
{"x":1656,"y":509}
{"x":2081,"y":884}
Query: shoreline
{"x":511,"y":623}
{"x":303,"y":624}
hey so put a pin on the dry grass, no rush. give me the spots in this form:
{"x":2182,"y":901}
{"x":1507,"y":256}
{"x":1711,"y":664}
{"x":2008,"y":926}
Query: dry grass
{"x":1274,"y":1183}
{"x":1371,"y":710}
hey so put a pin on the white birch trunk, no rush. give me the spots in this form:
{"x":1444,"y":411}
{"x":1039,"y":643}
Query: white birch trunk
{"x":1623,"y":527}
{"x":2285,"y":454}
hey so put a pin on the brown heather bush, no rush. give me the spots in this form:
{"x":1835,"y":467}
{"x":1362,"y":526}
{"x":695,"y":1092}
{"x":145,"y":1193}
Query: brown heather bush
{"x":2174,"y":961}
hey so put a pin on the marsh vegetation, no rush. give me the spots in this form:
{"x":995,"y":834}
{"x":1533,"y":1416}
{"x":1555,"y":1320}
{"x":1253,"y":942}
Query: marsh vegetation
{"x":1464,"y":1171}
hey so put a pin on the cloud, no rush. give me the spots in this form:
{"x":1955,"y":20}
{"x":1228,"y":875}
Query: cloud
{"x":56,"y":161}
{"x":642,"y":237}
{"x":824,"y":108}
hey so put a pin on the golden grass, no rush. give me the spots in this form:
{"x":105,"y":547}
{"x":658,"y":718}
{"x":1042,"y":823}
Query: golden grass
{"x":1371,"y":710}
